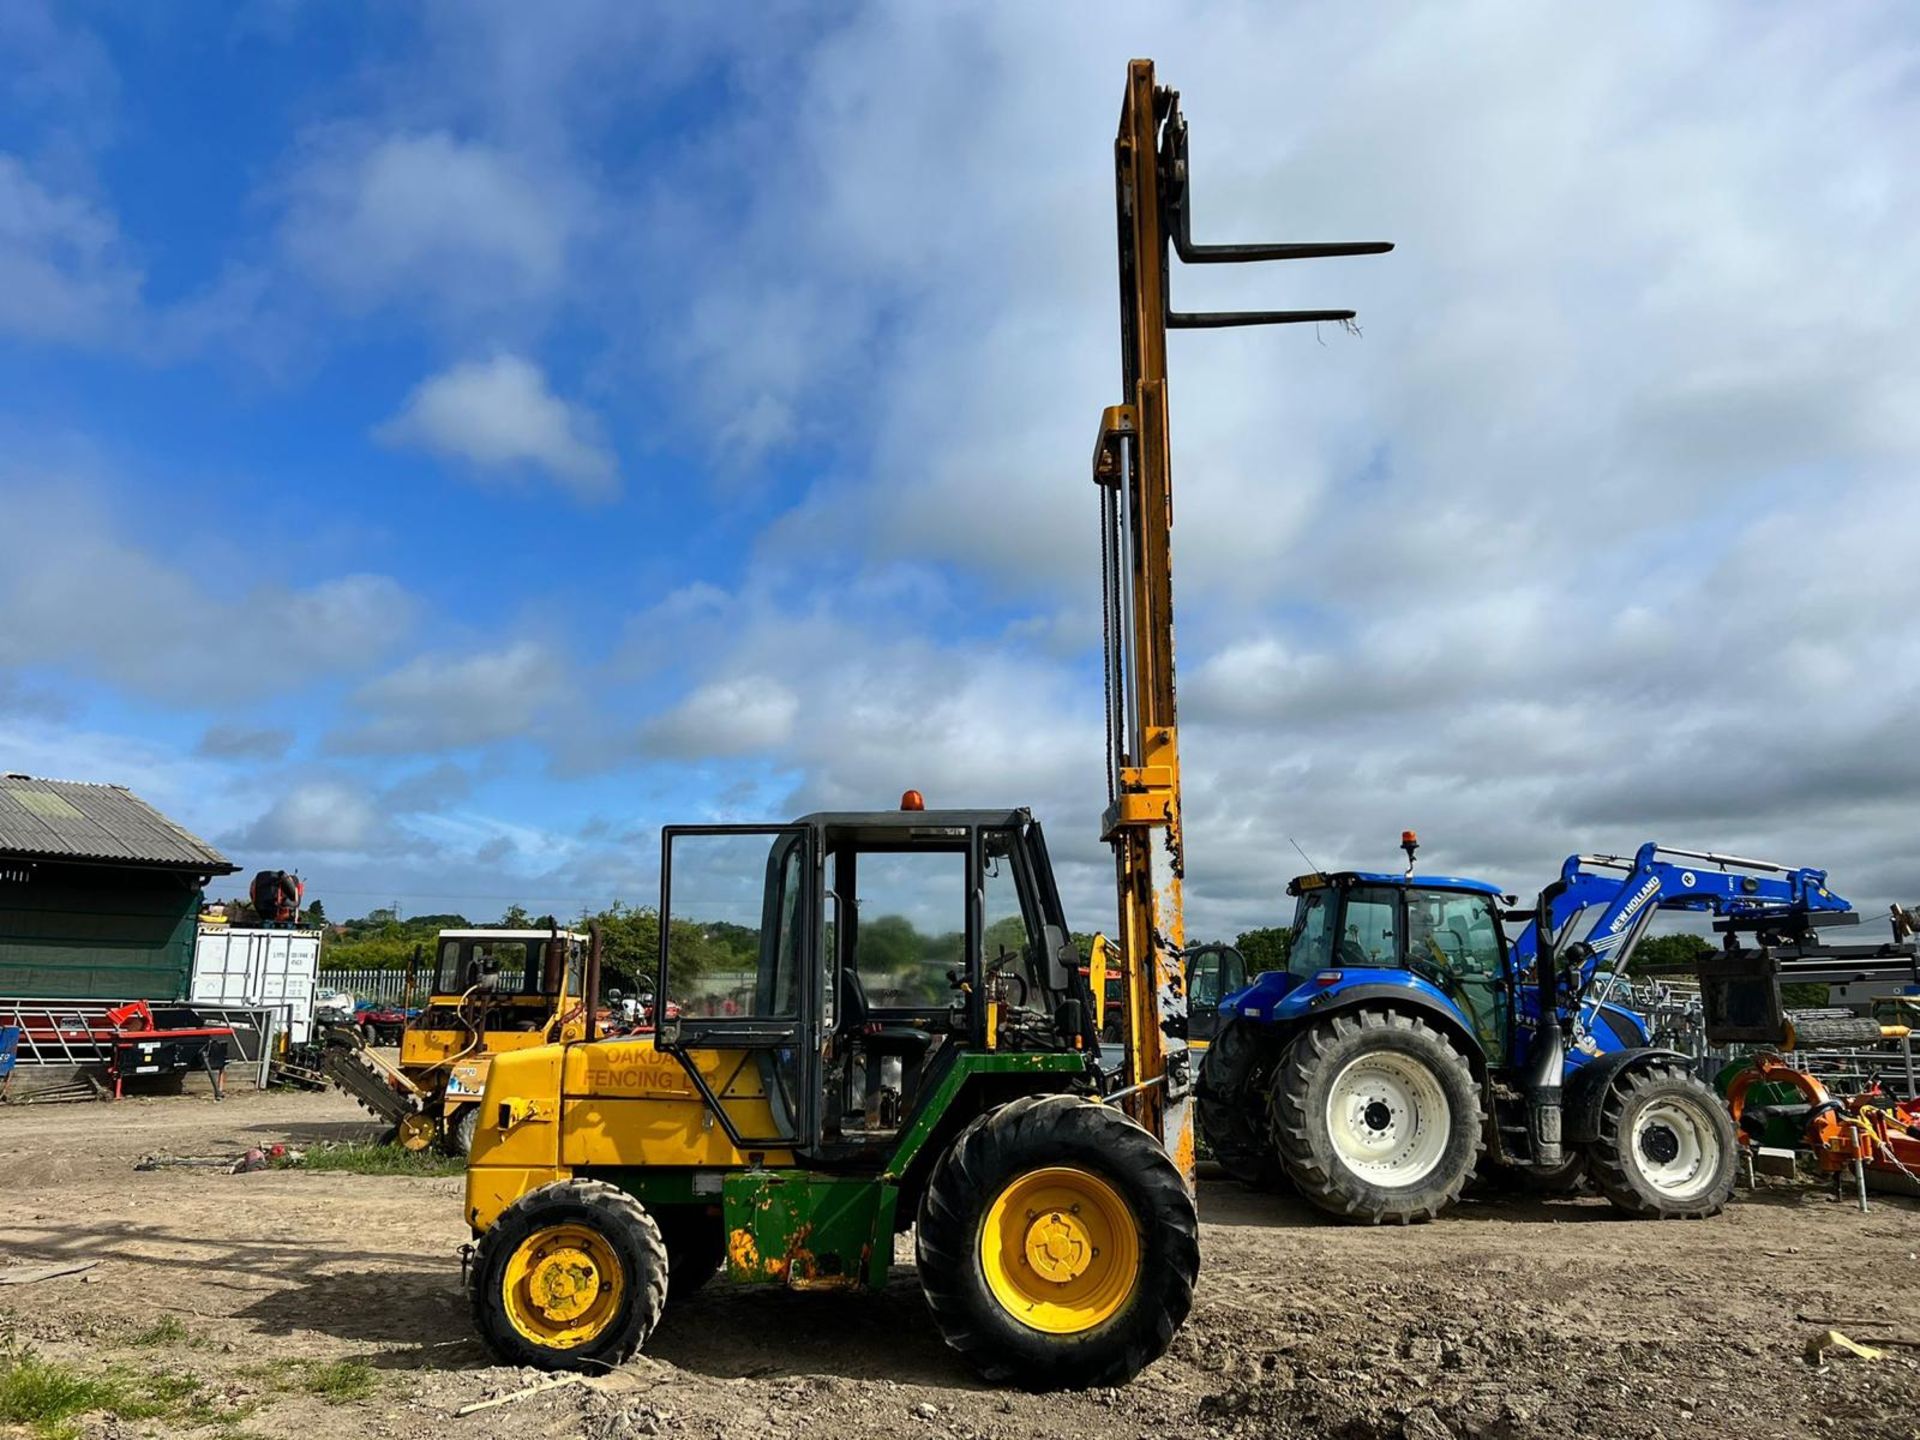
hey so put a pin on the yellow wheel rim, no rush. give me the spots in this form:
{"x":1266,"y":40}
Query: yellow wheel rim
{"x":415,"y":1132}
{"x":1060,"y":1250}
{"x":562,"y":1286}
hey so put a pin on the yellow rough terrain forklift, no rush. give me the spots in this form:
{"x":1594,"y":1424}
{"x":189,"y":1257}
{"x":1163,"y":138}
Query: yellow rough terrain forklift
{"x":870,"y":1021}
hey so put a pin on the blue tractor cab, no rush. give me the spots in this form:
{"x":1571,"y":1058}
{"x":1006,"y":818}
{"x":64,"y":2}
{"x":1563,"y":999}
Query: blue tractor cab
{"x":1434,"y":942}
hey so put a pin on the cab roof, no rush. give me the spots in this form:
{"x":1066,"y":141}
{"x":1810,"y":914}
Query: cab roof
{"x":916,"y":819}
{"x":1340,"y":879}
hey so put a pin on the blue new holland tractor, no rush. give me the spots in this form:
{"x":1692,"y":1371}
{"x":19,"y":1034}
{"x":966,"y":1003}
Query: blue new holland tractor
{"x":1409,"y":1042}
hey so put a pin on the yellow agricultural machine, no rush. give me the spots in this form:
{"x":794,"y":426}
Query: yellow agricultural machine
{"x":871,"y":1021}
{"x":489,"y":992}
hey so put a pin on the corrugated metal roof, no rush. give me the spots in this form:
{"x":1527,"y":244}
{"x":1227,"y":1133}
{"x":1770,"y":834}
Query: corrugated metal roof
{"x":72,"y":820}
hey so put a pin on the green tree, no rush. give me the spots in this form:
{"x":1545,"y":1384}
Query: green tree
{"x":516,"y":918}
{"x":1265,"y":949}
{"x":316,"y":914}
{"x":1665,"y":954}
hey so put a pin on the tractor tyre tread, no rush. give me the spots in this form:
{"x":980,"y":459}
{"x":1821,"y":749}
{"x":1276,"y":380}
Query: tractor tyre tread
{"x":1029,"y":1134}
{"x":1230,"y":1098}
{"x":1295,"y":1117}
{"x":624,"y":1223}
{"x":1608,"y":1157}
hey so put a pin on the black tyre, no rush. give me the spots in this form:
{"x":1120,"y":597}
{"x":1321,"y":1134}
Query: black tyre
{"x":1057,"y":1245}
{"x":1666,"y":1149}
{"x":696,"y":1247}
{"x":1376,"y":1117}
{"x":572,"y":1276}
{"x":457,"y":1139}
{"x":1230,"y":1104}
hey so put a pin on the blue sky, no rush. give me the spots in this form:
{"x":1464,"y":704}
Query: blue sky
{"x":442,"y":443}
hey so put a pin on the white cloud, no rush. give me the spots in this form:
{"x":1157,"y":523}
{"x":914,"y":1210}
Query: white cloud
{"x":379,"y":219}
{"x":322,"y":815}
{"x":444,"y":702}
{"x":499,"y":415}
{"x":65,"y":272}
{"x":744,"y":715}
{"x":77,"y":595}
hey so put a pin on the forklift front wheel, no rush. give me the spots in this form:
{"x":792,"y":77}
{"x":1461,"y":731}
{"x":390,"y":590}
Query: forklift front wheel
{"x":1057,"y":1245}
{"x":572,"y":1276}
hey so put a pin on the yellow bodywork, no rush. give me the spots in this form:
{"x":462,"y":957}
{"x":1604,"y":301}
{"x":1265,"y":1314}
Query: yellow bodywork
{"x":451,"y":1065}
{"x":623,"y":1104}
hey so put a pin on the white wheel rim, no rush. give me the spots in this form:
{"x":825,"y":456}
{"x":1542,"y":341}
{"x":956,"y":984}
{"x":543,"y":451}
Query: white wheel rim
{"x":1673,"y":1148}
{"x":1389,"y":1119}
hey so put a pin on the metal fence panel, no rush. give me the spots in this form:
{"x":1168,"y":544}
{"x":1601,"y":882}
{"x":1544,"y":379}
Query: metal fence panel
{"x":386,"y":985}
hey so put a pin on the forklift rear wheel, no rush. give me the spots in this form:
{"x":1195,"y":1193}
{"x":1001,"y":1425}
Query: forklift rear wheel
{"x":1057,"y":1245}
{"x":572,"y":1276}
{"x":1230,"y":1102}
{"x":1666,"y":1149}
{"x":1376,"y":1117}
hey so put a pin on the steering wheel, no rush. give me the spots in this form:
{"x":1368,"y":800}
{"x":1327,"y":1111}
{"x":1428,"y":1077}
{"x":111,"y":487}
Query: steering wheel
{"x":1447,"y":980}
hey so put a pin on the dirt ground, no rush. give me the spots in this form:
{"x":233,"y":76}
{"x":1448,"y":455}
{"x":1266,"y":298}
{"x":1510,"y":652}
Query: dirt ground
{"x":1510,"y":1318}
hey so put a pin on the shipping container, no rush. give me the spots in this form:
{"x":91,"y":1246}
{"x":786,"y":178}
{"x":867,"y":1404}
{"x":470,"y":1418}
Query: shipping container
{"x":258,"y":967}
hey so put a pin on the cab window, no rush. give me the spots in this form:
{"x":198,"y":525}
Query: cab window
{"x":734,"y":922}
{"x":1312,"y":949}
{"x":1215,"y":974}
{"x":1453,"y":939}
{"x":911,"y":928}
{"x":1370,"y":929}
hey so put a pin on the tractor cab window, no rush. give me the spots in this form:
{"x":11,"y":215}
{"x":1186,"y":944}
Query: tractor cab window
{"x":733,"y":929}
{"x":1369,"y":929}
{"x":1013,"y":947}
{"x":1216,"y":974}
{"x":909,"y":927}
{"x":1312,"y":949}
{"x":1453,"y":939}
{"x":505,"y":967}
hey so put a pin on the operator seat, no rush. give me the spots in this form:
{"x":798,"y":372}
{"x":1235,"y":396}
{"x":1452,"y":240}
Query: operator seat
{"x":877,"y":1037}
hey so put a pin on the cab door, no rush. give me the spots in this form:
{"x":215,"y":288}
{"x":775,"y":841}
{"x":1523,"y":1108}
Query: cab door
{"x":737,"y":995}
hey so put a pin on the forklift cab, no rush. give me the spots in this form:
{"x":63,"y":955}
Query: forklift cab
{"x":1442,"y":928}
{"x":849,"y":957}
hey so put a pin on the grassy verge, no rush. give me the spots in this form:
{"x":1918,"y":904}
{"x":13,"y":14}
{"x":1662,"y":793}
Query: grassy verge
{"x":366,"y":1159}
{"x":337,"y":1381}
{"x":46,"y":1396}
{"x":167,"y":1330}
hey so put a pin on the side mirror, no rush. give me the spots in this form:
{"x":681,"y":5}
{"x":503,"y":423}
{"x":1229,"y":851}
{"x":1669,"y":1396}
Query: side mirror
{"x":1062,"y":956}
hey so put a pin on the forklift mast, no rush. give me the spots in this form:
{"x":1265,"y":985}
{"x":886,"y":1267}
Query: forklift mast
{"x":1132,"y":466}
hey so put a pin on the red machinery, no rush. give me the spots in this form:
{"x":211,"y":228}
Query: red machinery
{"x":276,"y":896}
{"x":164,"y":1040}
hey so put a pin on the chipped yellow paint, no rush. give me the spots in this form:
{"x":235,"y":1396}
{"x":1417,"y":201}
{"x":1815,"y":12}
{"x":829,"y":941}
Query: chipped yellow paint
{"x":742,"y":1253}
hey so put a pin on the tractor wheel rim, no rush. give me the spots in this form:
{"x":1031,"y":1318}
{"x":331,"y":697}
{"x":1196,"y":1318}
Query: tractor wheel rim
{"x":1060,"y":1250}
{"x":1389,"y":1119}
{"x":562,"y":1286}
{"x":1673,"y":1148}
